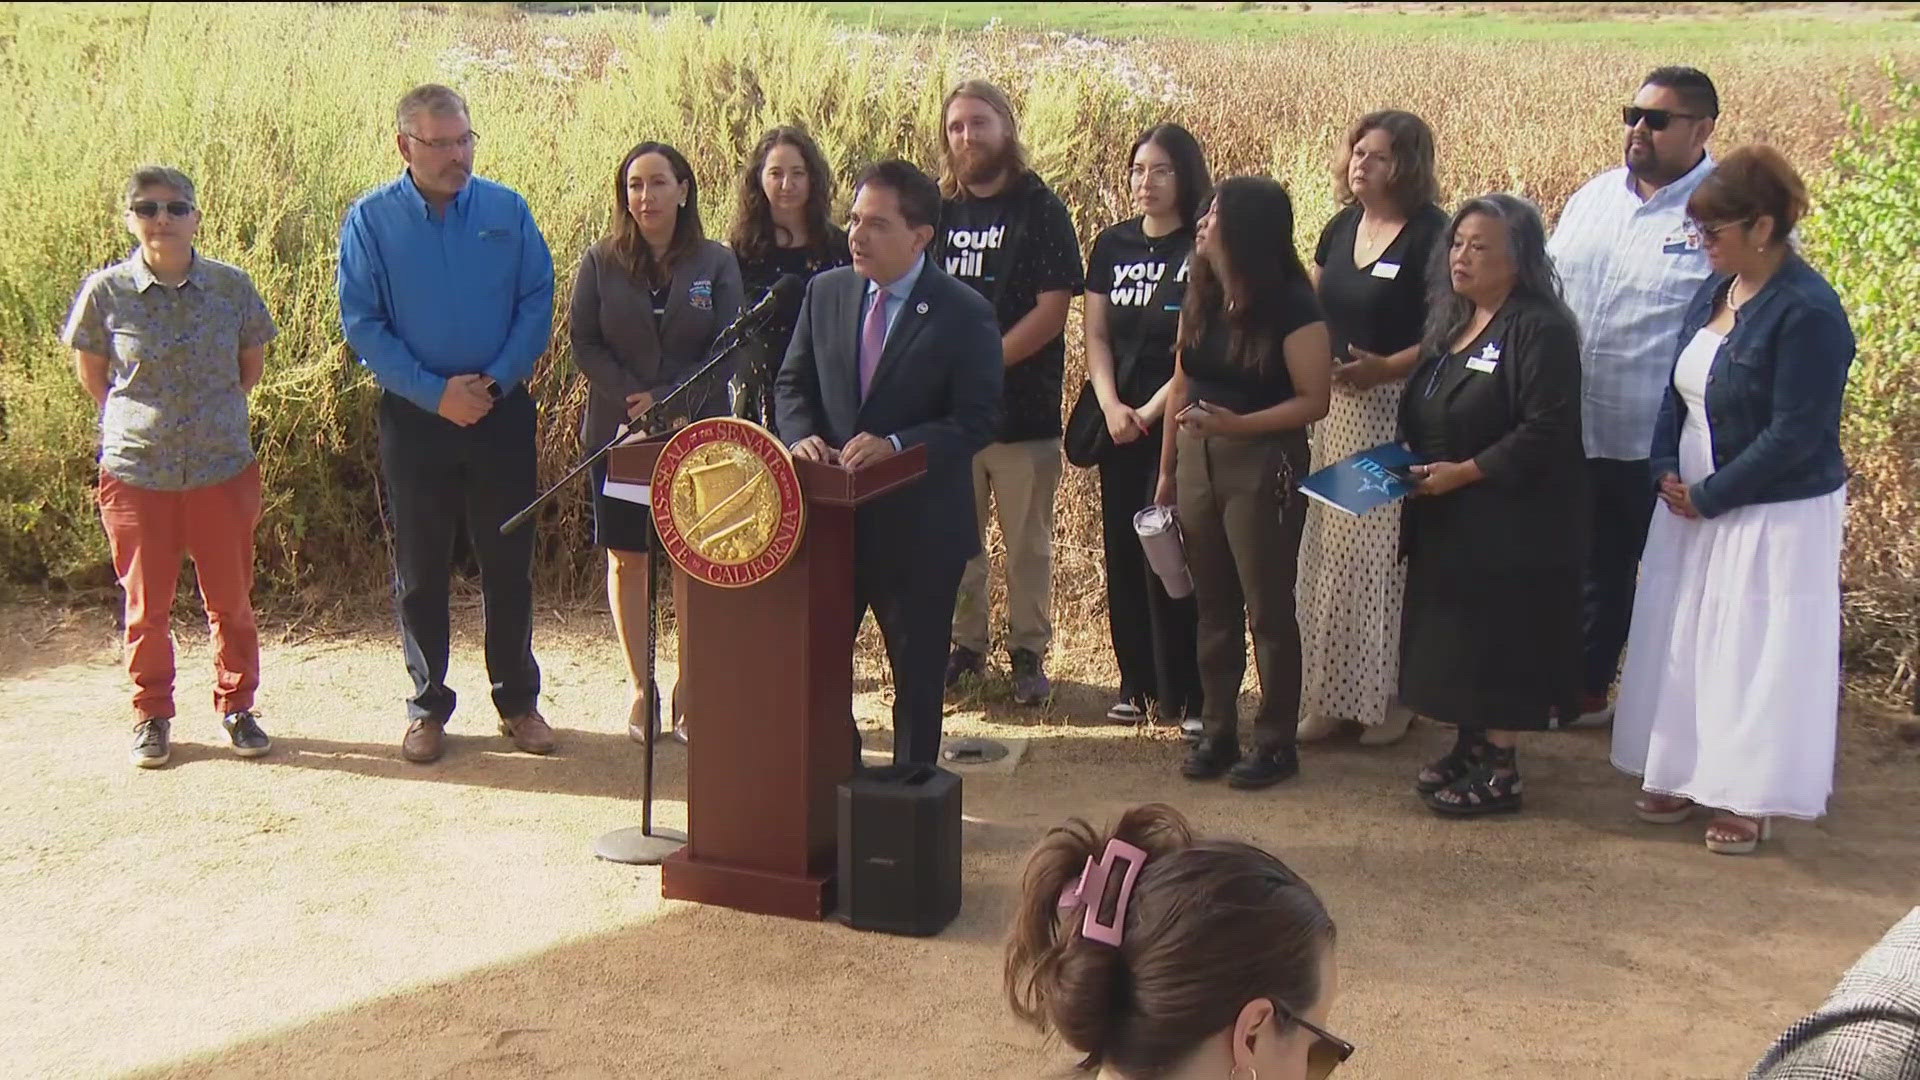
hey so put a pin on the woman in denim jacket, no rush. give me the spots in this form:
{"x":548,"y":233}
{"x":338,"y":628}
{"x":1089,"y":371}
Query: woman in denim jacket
{"x":1730,"y":695}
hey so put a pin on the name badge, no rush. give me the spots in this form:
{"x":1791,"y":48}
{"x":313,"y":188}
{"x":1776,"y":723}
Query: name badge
{"x":1679,"y":242}
{"x":700,"y":294}
{"x":1487,"y":361}
{"x":1386,"y":270}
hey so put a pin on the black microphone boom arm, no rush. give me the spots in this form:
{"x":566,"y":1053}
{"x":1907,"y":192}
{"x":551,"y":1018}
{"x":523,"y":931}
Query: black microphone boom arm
{"x":673,"y":411}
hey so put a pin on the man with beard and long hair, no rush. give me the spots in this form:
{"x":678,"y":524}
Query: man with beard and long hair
{"x":1006,"y":234}
{"x":1629,"y":262}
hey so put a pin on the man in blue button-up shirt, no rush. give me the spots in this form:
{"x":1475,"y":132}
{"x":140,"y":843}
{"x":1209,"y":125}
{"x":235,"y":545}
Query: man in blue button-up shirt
{"x":1629,"y":263}
{"x":446,"y":295}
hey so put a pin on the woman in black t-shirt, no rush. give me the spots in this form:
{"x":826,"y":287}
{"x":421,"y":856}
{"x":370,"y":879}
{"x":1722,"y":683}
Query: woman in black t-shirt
{"x":1372,"y":281}
{"x":780,"y":226}
{"x":1253,"y":369}
{"x":1136,"y":278}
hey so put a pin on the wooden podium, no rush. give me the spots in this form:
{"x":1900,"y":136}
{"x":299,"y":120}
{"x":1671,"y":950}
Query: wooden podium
{"x":766,"y":683}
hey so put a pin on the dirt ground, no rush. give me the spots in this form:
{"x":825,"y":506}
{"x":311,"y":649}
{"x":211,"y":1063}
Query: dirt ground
{"x":331,"y":911}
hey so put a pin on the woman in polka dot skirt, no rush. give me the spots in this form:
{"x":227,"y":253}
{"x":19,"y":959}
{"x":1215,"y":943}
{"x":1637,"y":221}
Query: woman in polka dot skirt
{"x":1370,"y":272}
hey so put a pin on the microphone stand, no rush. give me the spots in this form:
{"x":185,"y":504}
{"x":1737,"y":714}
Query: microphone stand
{"x":645,"y":845}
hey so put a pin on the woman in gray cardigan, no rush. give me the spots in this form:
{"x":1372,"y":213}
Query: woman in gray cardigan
{"x":648,"y":301}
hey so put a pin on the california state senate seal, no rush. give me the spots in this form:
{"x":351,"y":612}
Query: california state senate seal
{"x":726,"y":502}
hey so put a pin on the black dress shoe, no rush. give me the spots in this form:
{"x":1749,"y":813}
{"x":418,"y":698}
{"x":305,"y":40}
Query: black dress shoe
{"x":1208,"y":760}
{"x":1267,"y":767}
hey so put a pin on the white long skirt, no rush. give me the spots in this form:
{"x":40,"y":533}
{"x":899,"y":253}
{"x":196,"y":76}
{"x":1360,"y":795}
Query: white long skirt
{"x":1730,"y":696}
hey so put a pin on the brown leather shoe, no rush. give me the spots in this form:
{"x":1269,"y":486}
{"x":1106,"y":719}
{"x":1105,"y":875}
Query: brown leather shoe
{"x":529,"y":733}
{"x":424,"y":742}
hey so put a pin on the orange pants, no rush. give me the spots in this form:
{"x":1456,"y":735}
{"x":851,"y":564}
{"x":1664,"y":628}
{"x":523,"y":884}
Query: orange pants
{"x":149,"y":531}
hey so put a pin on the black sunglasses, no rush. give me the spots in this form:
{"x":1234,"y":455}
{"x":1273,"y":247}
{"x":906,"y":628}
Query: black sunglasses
{"x":1657,"y":119}
{"x":147,"y":208}
{"x":1712,"y":232}
{"x":1328,"y":1050}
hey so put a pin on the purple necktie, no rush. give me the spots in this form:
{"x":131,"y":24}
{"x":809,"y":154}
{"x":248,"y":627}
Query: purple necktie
{"x":873,"y":340}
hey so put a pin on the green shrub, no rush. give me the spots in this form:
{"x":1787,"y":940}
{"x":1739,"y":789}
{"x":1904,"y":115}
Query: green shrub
{"x":1864,"y":234}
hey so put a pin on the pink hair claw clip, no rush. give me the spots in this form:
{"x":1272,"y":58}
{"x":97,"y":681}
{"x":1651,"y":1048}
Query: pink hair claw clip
{"x":1091,"y":891}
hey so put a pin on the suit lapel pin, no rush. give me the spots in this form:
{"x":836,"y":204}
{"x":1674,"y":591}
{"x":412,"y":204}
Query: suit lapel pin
{"x":921,"y":309}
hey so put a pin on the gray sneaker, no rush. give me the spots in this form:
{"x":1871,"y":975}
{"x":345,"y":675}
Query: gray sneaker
{"x":1030,"y":685}
{"x":150,"y":744}
{"x":248,"y":739}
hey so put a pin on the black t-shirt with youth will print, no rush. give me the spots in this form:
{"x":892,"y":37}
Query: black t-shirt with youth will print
{"x":978,"y":237}
{"x":1144,"y":279}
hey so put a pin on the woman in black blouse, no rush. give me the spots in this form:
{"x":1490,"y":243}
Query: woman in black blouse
{"x":780,"y":226}
{"x":1136,"y":278}
{"x":1253,"y":370}
{"x":1496,"y":534}
{"x":1372,"y":282}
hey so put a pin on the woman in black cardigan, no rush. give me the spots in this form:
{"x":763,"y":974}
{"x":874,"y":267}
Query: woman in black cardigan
{"x":1495,"y":535}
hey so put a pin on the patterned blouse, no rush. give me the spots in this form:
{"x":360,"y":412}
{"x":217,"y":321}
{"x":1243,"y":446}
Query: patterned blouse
{"x":175,"y":416}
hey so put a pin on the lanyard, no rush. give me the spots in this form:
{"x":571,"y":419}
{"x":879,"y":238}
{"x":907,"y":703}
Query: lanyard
{"x":1433,"y":381}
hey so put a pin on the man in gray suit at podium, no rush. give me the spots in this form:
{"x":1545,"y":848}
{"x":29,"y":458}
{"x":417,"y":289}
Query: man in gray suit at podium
{"x":892,"y":353}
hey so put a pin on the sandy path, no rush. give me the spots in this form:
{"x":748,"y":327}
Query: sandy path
{"x":331,"y":911}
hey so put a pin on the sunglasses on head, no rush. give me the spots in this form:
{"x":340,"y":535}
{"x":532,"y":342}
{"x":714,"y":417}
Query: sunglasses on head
{"x":147,"y":208}
{"x":1328,"y":1050}
{"x":1657,"y":119}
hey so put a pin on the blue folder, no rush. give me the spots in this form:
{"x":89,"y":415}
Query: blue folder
{"x":1370,"y":478}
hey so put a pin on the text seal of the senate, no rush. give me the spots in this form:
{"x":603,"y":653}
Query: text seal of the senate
{"x":726,"y":502}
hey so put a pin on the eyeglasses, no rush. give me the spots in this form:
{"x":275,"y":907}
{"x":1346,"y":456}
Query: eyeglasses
{"x":1159,"y":174}
{"x":1657,"y":119}
{"x":1711,"y":233}
{"x":443,"y":145}
{"x":148,"y":208}
{"x":1328,"y":1050}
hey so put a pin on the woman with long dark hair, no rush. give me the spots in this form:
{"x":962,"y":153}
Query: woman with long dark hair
{"x":1371,"y":277}
{"x":1495,"y":534}
{"x":782,"y":224}
{"x":1136,"y":278}
{"x":1225,"y":955}
{"x":1254,"y":368}
{"x":648,"y":300}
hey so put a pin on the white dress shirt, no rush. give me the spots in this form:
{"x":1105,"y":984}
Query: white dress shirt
{"x":1628,"y":268}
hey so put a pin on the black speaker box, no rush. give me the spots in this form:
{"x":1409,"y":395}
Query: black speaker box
{"x":900,"y":850}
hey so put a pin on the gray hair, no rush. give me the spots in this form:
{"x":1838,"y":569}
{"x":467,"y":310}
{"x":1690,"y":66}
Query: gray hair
{"x":1449,"y":313}
{"x":147,"y":176}
{"x":431,"y":98}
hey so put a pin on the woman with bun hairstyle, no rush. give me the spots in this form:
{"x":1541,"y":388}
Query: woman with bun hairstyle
{"x":1159,"y":956}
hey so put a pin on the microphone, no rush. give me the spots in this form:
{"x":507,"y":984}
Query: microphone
{"x":677,"y":407}
{"x":662,"y":415}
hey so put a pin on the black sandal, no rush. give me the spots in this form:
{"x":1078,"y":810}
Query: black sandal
{"x":1494,"y":787}
{"x":1459,"y":763}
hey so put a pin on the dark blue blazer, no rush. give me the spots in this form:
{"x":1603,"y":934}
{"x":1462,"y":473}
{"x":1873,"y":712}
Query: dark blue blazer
{"x":1774,"y":394}
{"x":938,"y":385}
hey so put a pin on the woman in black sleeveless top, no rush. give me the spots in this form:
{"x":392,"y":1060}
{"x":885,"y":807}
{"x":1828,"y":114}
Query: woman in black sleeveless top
{"x":1254,"y":369}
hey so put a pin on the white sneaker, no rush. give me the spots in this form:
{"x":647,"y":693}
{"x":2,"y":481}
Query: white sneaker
{"x":1318,"y":726}
{"x":1390,"y":730}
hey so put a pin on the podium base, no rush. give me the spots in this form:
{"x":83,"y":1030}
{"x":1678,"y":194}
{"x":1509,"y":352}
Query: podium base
{"x":761,"y":892}
{"x":634,"y":847}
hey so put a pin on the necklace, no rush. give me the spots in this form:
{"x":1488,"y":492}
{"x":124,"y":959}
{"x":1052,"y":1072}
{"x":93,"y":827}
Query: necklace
{"x":1370,"y":234}
{"x":1733,"y":304}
